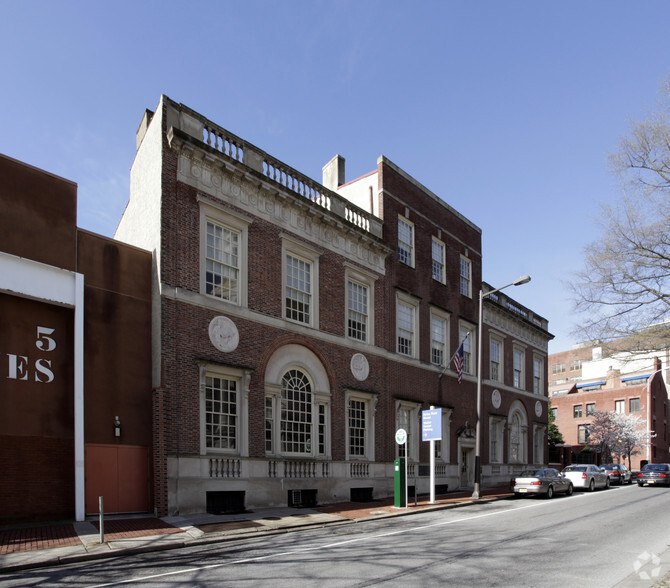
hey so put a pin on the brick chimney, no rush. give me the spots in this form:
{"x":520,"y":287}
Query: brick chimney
{"x":613,"y":378}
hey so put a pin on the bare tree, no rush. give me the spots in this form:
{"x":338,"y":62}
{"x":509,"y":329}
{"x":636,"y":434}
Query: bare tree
{"x":624,"y":287}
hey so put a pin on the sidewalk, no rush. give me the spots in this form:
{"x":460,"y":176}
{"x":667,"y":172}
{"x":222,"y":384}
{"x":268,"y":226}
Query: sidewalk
{"x":41,"y":545}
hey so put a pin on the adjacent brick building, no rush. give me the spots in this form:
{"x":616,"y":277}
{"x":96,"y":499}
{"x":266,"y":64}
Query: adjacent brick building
{"x":590,"y":378}
{"x":298,"y":325}
{"x":75,"y":343}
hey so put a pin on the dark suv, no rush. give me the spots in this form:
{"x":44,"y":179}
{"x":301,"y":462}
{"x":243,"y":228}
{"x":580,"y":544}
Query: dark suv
{"x":618,"y":473}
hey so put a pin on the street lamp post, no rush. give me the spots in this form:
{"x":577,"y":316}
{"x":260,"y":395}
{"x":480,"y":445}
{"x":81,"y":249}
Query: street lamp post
{"x":478,"y":431}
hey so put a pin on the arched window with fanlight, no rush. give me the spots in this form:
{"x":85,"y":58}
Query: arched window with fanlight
{"x":296,"y":426}
{"x":518,"y":434}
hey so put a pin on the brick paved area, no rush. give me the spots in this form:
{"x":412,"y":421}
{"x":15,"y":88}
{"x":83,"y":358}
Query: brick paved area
{"x":117,"y":529}
{"x":30,"y":538}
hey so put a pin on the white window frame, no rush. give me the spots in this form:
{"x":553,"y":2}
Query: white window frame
{"x":241,"y":378}
{"x":411,"y":306}
{"x":302,"y":252}
{"x":439,"y":317}
{"x":465,"y":276}
{"x":469,"y":347}
{"x":406,"y":245}
{"x":499,"y":340}
{"x":362,"y":278}
{"x":496,"y":439}
{"x":438,"y":265}
{"x":518,"y":367}
{"x":218,"y":215}
{"x":539,"y":432}
{"x":538,"y":375}
{"x":519,"y":444}
{"x":370,"y":403}
{"x":410,"y":410}
{"x":443,"y":446}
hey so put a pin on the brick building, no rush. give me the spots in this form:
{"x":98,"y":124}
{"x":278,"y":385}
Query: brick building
{"x":589,"y":378}
{"x":298,"y":325}
{"x":75,"y":334}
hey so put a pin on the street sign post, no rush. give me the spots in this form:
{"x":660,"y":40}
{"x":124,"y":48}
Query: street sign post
{"x":431,"y":421}
{"x":400,"y":472}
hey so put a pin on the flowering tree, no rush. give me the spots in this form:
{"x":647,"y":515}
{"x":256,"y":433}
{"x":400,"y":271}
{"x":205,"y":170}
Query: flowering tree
{"x":622,"y":435}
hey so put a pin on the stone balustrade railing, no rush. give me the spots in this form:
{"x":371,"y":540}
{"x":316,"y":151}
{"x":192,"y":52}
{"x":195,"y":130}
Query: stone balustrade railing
{"x":290,"y":179}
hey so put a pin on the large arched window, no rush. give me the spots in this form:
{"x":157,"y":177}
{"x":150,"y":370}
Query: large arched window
{"x":296,"y":413}
{"x":518,"y":434}
{"x":297,"y":404}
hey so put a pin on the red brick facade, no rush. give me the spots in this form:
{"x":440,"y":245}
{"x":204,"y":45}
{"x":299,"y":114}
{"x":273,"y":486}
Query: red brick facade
{"x":187,"y":170}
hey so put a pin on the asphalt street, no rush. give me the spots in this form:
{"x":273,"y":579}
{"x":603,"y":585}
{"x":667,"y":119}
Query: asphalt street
{"x":590,"y":539}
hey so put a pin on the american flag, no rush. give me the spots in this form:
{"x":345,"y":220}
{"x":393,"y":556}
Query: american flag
{"x":458,"y":362}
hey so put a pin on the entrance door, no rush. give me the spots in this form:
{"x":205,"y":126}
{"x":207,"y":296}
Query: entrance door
{"x":120,"y":474}
{"x":467,"y":466}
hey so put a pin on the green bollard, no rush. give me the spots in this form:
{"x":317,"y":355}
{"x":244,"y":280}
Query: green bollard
{"x":399,"y":483}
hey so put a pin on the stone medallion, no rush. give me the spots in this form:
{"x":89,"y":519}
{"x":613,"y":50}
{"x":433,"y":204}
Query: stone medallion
{"x":360,"y":367}
{"x":223,"y":334}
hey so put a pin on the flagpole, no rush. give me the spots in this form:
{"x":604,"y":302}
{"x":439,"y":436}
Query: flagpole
{"x":439,"y":377}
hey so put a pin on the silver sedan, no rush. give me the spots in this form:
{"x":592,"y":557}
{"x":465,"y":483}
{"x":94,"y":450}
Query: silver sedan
{"x":587,"y":476}
{"x":546,"y":481}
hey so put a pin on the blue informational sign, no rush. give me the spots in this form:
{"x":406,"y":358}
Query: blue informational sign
{"x":431,"y":421}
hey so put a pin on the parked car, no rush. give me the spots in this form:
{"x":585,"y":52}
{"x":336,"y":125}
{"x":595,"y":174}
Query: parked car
{"x":618,"y":473}
{"x":547,"y":481}
{"x":587,"y":477}
{"x":654,"y":474}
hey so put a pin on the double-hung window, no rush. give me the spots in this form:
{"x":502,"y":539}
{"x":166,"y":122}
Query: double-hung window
{"x":223,"y":236}
{"x":438,"y":261}
{"x":221,"y":418}
{"x":538,"y":375}
{"x":466,"y":277}
{"x":495,"y":358}
{"x":358,"y":305}
{"x":360,"y":426}
{"x":222,"y":406}
{"x":466,"y":335}
{"x":405,"y":241}
{"x":300,"y":270}
{"x":438,"y":337}
{"x":518,"y":367}
{"x":406,"y":325}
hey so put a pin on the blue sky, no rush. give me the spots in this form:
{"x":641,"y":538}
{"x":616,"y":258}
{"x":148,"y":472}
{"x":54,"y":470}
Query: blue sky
{"x":505,"y":109}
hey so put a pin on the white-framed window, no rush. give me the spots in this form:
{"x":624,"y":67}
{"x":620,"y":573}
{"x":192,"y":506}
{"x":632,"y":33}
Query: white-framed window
{"x":297,"y":404}
{"x":538,"y":375}
{"x":223,"y":393}
{"x":517,"y":439}
{"x":360,"y":304}
{"x":518,"y":366}
{"x":223,"y":253}
{"x":360,"y":425}
{"x":466,"y":277}
{"x":538,"y":443}
{"x":620,"y":406}
{"x":300,"y":270}
{"x":496,"y":370}
{"x":407,"y":325}
{"x":438,"y":252}
{"x":466,"y":335}
{"x":407,"y":417}
{"x":297,"y":419}
{"x":443,"y":446}
{"x":439,"y":327}
{"x":405,"y":241}
{"x":496,"y":436}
